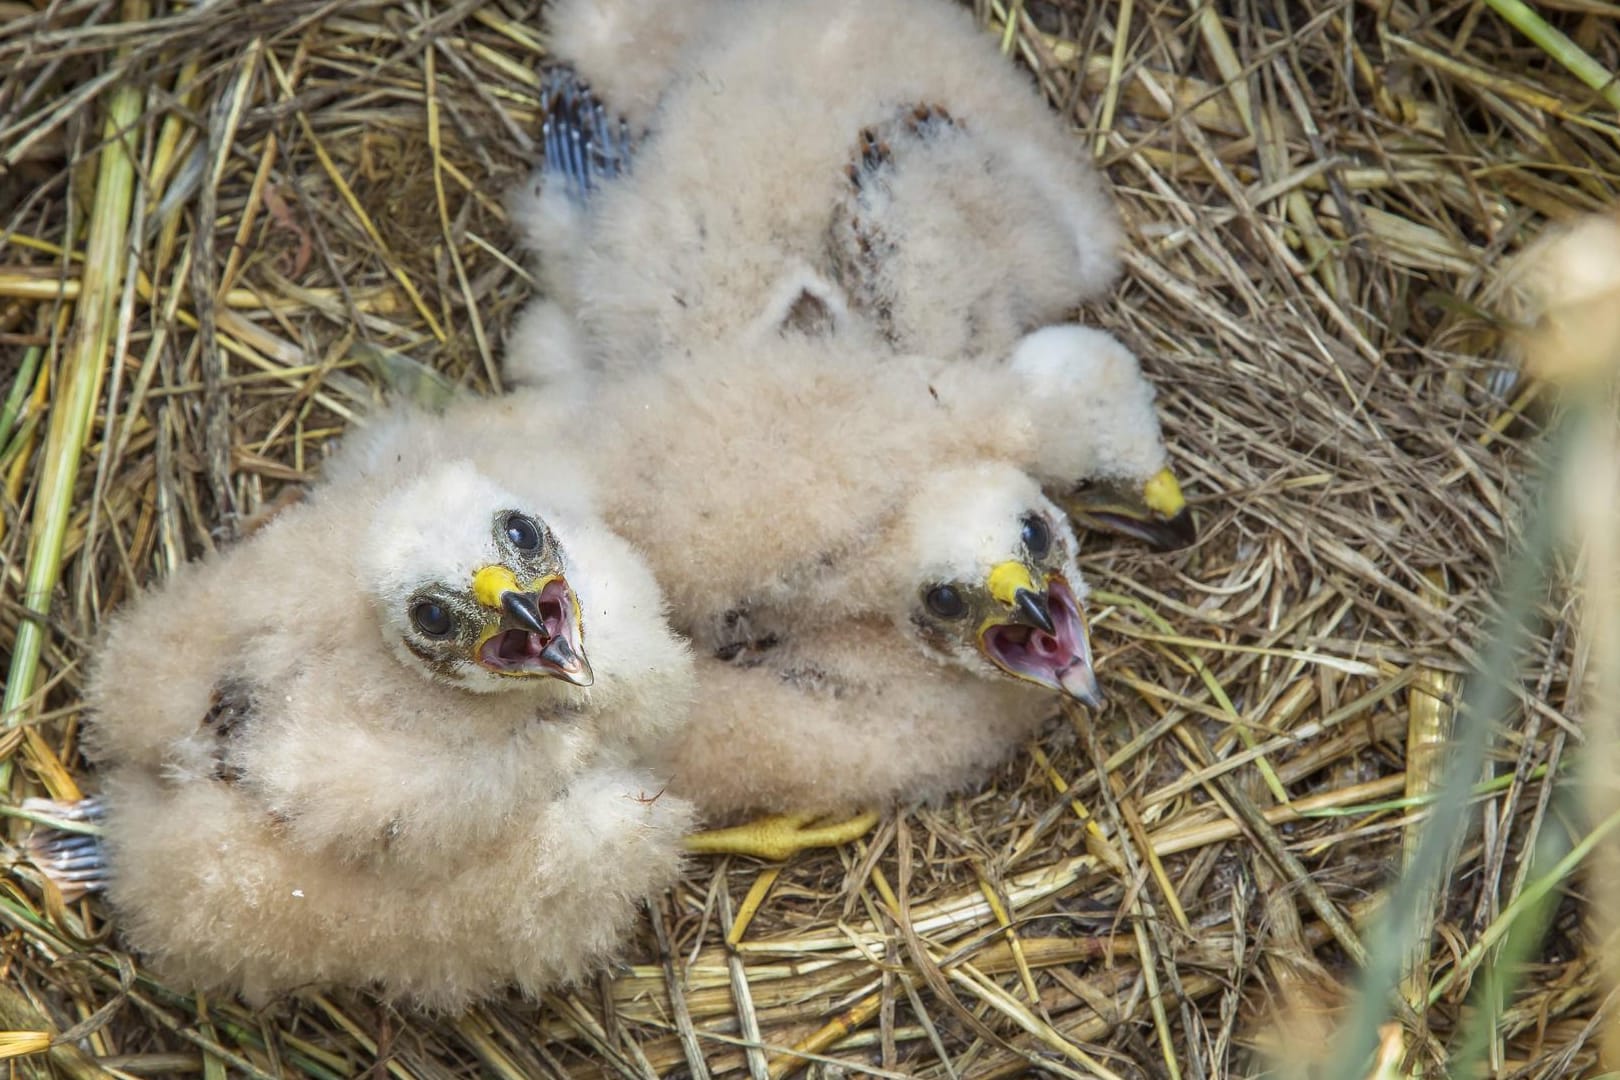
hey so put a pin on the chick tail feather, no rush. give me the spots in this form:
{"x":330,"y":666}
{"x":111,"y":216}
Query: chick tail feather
{"x":584,"y":145}
{"x":70,"y":854}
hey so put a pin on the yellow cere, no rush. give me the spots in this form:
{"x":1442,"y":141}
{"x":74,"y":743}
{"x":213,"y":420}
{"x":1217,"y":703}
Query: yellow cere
{"x":1007,"y":578}
{"x":490,"y":582}
{"x":1163,"y":495}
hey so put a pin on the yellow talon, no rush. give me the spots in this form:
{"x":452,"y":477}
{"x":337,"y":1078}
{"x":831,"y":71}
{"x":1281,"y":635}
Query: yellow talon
{"x":780,"y":836}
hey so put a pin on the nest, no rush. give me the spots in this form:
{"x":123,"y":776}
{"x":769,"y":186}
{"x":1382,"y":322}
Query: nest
{"x":221,"y":221}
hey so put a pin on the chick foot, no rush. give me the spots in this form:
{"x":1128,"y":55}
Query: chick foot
{"x":583,"y":144}
{"x":779,"y":837}
{"x":71,"y":856}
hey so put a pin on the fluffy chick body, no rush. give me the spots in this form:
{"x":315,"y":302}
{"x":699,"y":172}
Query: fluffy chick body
{"x":846,"y":717}
{"x":732,"y":229}
{"x":862,"y":696}
{"x":785,"y":147}
{"x":289,"y":804}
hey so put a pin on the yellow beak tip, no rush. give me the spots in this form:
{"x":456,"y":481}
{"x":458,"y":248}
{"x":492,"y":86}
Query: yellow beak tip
{"x":1162,"y":494}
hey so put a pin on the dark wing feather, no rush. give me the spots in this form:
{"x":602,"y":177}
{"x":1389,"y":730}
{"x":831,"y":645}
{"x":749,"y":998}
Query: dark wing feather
{"x":584,"y":144}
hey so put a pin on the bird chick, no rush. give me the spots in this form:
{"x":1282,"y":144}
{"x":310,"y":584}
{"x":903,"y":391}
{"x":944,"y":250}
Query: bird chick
{"x":387,"y":740}
{"x":645,"y":262}
{"x":917,"y":672}
{"x":887,"y":148}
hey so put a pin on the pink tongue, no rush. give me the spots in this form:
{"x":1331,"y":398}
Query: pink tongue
{"x":1043,"y":644}
{"x":520,"y":645}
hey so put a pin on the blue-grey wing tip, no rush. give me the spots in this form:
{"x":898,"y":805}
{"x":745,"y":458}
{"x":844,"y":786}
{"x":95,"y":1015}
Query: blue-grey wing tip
{"x":584,"y":145}
{"x":69,"y":852}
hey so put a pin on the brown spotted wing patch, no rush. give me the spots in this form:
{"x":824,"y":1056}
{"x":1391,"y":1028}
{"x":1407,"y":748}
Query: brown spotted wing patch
{"x":230,"y":707}
{"x":859,"y":242}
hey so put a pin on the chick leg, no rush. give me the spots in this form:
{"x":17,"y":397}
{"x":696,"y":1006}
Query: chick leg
{"x":65,"y":844}
{"x":781,"y":836}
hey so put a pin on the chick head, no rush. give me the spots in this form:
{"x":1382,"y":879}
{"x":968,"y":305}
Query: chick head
{"x":471,"y":586}
{"x":992,"y":583}
{"x":1106,"y":435}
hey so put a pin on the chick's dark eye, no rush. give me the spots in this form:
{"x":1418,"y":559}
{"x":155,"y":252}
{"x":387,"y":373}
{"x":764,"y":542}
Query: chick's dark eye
{"x":1037,"y":535}
{"x":523,"y":532}
{"x":430,"y":618}
{"x":946,"y":602}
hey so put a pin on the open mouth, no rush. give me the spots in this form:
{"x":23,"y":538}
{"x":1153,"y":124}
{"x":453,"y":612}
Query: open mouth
{"x":1060,"y":659}
{"x":540,"y":637}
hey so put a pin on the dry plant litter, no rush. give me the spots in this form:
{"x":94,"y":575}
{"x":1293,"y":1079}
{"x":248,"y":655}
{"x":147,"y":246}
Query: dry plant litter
{"x":218,"y":222}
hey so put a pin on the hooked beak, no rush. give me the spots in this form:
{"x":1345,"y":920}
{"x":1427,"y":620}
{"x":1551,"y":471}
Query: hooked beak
{"x":524,"y":610}
{"x":539,"y":632}
{"x":1035,"y":609}
{"x":1042,"y":636}
{"x":1156,"y":514}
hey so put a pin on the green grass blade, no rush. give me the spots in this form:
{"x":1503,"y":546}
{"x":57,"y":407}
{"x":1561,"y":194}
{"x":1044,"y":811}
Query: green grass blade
{"x":1488,"y":695}
{"x":75,"y":396}
{"x":20,"y":388}
{"x":1552,"y":41}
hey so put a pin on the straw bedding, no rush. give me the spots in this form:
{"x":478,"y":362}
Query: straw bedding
{"x":1319,"y":196}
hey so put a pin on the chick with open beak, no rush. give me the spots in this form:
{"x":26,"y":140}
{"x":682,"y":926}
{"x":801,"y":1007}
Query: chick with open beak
{"x":936,"y":654}
{"x":1022,"y":615}
{"x":517,"y":618}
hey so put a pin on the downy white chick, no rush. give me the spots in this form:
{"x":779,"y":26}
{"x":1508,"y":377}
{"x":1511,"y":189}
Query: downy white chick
{"x":887,"y":147}
{"x":924,"y":668}
{"x":643,"y":256}
{"x":390,"y":739}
